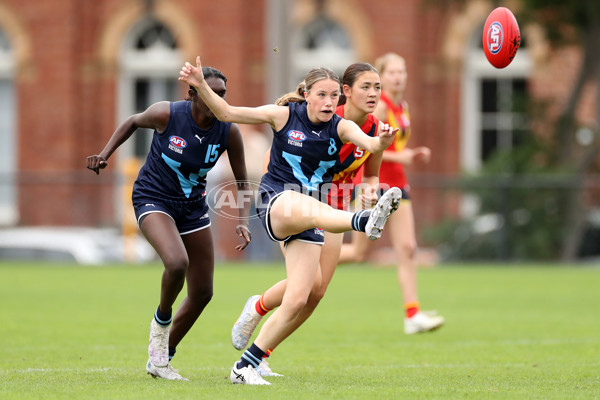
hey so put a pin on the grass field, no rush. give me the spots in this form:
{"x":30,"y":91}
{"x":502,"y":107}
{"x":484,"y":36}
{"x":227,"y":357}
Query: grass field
{"x":522,"y":332}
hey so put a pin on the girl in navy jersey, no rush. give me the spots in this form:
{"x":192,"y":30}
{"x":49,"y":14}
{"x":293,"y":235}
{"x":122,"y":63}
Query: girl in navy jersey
{"x":362,"y":89}
{"x":307,"y":137}
{"x":169,"y":200}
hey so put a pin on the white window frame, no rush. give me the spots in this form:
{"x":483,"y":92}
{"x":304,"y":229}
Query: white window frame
{"x":158,"y":63}
{"x":477,"y":68}
{"x":9,"y":211}
{"x":330,"y":56}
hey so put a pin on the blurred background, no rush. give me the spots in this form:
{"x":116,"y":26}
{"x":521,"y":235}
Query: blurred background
{"x":515,"y":162}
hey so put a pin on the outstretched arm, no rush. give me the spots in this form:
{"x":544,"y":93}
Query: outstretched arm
{"x":350,"y":132}
{"x":408,"y":156}
{"x":276,"y":116}
{"x":156,"y":117}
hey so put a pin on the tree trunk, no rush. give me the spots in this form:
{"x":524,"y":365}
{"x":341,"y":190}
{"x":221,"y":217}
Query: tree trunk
{"x":575,"y":210}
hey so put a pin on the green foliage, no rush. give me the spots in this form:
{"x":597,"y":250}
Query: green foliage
{"x":555,"y":15}
{"x":547,"y":221}
{"x":511,"y":333}
{"x":522,"y":198}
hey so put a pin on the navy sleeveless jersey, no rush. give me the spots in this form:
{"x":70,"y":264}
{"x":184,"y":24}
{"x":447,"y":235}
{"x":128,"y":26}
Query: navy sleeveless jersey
{"x":181,"y":156}
{"x":303,"y":154}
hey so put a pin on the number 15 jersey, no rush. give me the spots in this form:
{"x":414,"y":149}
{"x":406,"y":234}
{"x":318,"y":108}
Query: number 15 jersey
{"x":181,"y":156}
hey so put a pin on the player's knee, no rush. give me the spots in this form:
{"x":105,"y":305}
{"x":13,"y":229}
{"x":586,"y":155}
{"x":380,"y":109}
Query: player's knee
{"x":314,"y":299}
{"x":201,"y":297}
{"x":176,"y":265}
{"x":296,"y":305}
{"x":409,"y":249}
{"x":317,"y":294}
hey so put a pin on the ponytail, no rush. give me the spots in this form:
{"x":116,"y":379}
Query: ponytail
{"x":313,"y":76}
{"x":293,"y":97}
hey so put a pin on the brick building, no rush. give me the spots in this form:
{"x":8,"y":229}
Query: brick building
{"x":71,"y":70}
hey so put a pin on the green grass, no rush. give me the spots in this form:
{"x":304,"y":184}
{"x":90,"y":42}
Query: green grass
{"x":522,"y":332}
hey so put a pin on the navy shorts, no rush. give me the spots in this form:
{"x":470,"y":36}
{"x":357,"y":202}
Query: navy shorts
{"x":189,"y":216}
{"x":263,"y":209}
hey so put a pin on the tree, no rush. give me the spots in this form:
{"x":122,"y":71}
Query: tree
{"x":583,"y":17}
{"x":567,"y":23}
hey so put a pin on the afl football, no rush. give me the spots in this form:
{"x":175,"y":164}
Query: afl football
{"x":501,"y":37}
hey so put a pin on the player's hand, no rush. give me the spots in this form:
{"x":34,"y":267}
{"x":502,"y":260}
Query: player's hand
{"x":96,"y":163}
{"x":387,"y":134}
{"x":368,"y":198}
{"x":386,"y":130}
{"x":244,"y":232}
{"x":192,"y":75}
{"x":422,"y":154}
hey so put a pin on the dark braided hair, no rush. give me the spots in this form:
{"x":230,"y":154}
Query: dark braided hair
{"x":209,"y":72}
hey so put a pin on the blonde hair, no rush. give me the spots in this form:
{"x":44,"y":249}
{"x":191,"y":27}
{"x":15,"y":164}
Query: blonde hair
{"x":313,"y":76}
{"x":381,"y":62}
{"x":296,"y":96}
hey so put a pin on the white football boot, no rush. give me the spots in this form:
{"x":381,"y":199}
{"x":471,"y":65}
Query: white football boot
{"x":422,"y":322}
{"x":167,"y":372}
{"x":264,"y":369}
{"x":246,"y":324}
{"x":386,"y":205}
{"x":158,"y":344}
{"x":246,"y":376}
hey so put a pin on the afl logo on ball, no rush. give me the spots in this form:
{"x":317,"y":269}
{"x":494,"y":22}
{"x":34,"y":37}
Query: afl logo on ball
{"x":495,"y":38}
{"x":501,"y":37}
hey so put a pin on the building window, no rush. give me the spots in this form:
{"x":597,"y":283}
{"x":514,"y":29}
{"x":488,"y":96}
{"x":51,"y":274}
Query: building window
{"x":321,"y":42}
{"x":149,"y":62}
{"x":155,"y":35}
{"x":8,"y":135}
{"x":493,"y":115}
{"x":503,"y":115}
{"x":493,"y":108}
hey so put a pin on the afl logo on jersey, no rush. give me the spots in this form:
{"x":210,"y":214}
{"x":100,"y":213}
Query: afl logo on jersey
{"x":295,"y":138}
{"x":297,"y":135}
{"x":177,"y":144}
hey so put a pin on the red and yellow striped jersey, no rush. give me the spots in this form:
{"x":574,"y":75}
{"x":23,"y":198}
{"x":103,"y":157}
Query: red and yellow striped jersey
{"x":351,"y":159}
{"x":398,"y":117}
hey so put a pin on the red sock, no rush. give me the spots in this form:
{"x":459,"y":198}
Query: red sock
{"x":260,"y":306}
{"x":268,"y":353}
{"x":411,"y":308}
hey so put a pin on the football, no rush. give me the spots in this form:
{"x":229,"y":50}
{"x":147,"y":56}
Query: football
{"x":501,"y":37}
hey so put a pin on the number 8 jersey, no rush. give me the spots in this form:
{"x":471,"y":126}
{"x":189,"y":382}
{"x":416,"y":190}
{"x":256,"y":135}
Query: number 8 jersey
{"x":303,"y":154}
{"x":181,"y":156}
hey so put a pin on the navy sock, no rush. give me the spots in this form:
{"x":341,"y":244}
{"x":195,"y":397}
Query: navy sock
{"x":163,"y":319}
{"x":252,"y":356}
{"x":359,"y":220}
{"x":172,"y":352}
